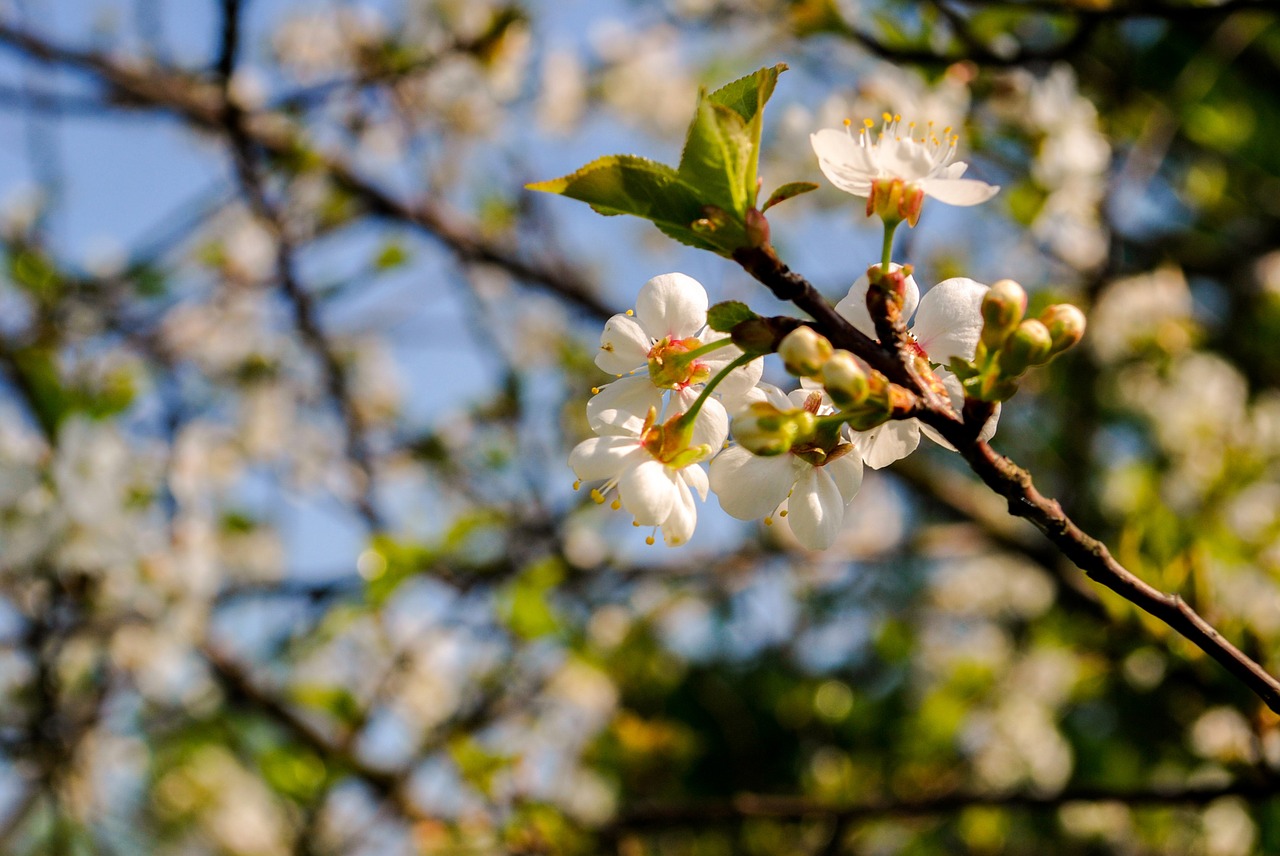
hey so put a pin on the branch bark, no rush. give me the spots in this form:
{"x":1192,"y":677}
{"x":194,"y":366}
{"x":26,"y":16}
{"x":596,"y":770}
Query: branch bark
{"x":1015,"y":484}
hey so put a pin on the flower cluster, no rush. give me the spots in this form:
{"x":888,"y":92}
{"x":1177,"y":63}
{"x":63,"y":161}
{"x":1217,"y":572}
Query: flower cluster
{"x":799,"y":456}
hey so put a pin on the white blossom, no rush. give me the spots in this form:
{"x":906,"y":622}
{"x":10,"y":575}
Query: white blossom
{"x":646,"y":349}
{"x":921,"y":157}
{"x":655,"y":478}
{"x":808,"y":490}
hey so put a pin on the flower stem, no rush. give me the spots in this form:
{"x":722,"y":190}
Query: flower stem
{"x":886,"y":254}
{"x":687,"y":418}
{"x":707,"y":348}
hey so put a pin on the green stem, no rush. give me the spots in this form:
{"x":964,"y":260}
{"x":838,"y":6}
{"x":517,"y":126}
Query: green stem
{"x":686,"y":420}
{"x":886,"y":253}
{"x":707,"y":348}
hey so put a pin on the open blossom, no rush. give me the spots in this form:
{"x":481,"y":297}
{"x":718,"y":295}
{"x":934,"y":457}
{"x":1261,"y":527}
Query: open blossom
{"x":948,"y":323}
{"x":649,"y":349}
{"x":918,"y":159}
{"x":808,"y":486}
{"x":653,"y":467}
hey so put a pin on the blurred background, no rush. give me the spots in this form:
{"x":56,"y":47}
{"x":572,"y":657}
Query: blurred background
{"x":290,"y":363}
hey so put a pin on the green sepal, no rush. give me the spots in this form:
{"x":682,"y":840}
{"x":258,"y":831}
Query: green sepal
{"x":758,"y":336}
{"x":963,"y":369}
{"x":723,"y":317}
{"x":788,"y":191}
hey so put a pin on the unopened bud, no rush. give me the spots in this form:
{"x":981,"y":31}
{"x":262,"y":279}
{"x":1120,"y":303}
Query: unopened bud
{"x":845,"y":379}
{"x":804,"y":352}
{"x":764,"y":430}
{"x":1003,"y":306}
{"x":1026,"y":346}
{"x":1065,"y":324}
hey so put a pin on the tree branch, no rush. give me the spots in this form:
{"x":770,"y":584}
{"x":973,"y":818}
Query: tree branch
{"x":1015,"y":484}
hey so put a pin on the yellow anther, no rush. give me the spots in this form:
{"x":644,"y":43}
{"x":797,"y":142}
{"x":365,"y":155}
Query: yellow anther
{"x":886,"y":117}
{"x":848,"y":122}
{"x":617,"y":375}
{"x":631,"y":312}
{"x":897,"y":117}
{"x":868,"y":123}
{"x":649,"y":540}
{"x":911,"y":124}
{"x":782,"y":513}
{"x":595,"y":390}
{"x":946,"y":131}
{"x":607,"y":346}
{"x":768,"y":521}
{"x":616,"y":504}
{"x":955,"y":138}
{"x":577,"y":484}
{"x":597,"y":496}
{"x":635,"y":523}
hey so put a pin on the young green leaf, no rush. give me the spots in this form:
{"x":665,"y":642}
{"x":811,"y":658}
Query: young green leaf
{"x":716,"y":157}
{"x":788,"y":191}
{"x":747,"y":96}
{"x":724,"y":316}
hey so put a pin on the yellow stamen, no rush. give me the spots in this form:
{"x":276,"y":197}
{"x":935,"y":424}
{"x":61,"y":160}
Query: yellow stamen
{"x":616,"y":504}
{"x":635,"y":523}
{"x":648,"y":539}
{"x":768,"y":521}
{"x":597,"y":496}
{"x":848,"y":122}
{"x":631,"y":312}
{"x":577,"y":484}
{"x":886,"y":117}
{"x":782,"y":513}
{"x":868,"y":123}
{"x":595,"y":390}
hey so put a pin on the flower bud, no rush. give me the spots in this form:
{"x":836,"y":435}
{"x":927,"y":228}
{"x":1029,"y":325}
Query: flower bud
{"x":1027,"y":346}
{"x":1003,"y":306}
{"x":846,"y":380}
{"x":1065,"y":324}
{"x":764,"y":430}
{"x":804,"y":352}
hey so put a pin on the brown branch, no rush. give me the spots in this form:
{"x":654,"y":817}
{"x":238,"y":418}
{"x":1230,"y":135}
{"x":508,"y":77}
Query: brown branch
{"x":202,"y":105}
{"x":773,"y":807}
{"x":1014,"y":483}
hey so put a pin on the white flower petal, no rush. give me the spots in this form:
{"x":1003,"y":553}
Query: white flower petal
{"x":648,"y":491}
{"x":678,"y":528}
{"x":853,"y":306}
{"x":846,"y":472}
{"x":959,"y":191}
{"x":623,"y":403}
{"x":696,"y":477}
{"x":949,"y":321}
{"x":889,"y":442}
{"x":711,"y":427}
{"x":624,"y":346}
{"x":815,"y":510}
{"x":955,"y":391}
{"x":845,"y":163}
{"x":599,"y":458}
{"x":672,"y":305}
{"x":749,"y":486}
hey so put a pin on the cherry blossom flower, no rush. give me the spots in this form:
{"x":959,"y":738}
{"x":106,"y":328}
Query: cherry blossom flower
{"x":649,"y":349}
{"x":653,"y":466}
{"x":920,"y":159}
{"x":809,"y":487}
{"x":948,"y":323}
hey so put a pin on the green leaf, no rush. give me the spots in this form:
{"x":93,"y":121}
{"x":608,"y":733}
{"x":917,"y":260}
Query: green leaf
{"x":962,"y":368}
{"x":717,"y":155}
{"x":788,"y":191}
{"x":747,"y":96}
{"x":723,"y":317}
{"x":627,"y":184}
